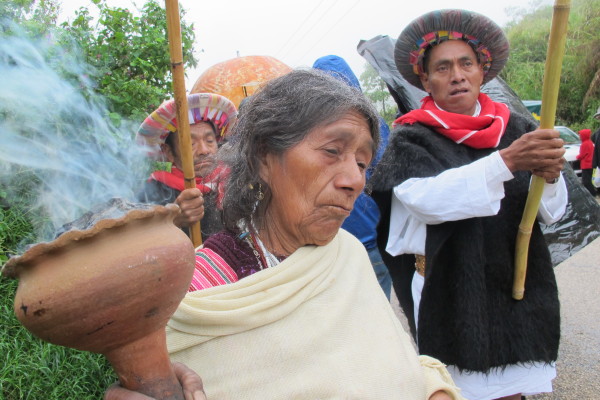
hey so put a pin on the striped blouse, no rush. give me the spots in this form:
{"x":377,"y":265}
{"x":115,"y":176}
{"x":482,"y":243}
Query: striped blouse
{"x":211,"y":270}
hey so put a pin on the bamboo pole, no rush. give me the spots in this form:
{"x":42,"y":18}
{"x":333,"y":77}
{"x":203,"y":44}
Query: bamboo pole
{"x":181,"y":106}
{"x":554,"y":57}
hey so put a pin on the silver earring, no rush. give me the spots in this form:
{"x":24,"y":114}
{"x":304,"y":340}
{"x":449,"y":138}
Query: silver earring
{"x":260,"y":195}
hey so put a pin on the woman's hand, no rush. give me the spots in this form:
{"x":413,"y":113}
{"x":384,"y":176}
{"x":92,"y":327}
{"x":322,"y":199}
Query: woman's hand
{"x":440,"y":395}
{"x":193,"y":389}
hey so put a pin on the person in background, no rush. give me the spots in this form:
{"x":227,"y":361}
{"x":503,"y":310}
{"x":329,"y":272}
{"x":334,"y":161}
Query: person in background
{"x":210,"y":115}
{"x":306,"y":318}
{"x":585,"y":157}
{"x":364,"y":217}
{"x":596,"y":158}
{"x":451,"y":187}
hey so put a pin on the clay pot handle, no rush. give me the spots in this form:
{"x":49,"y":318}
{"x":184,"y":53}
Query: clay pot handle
{"x":144,"y":366}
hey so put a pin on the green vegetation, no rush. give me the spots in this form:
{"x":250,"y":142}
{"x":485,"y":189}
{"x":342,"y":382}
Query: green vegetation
{"x":14,"y":227}
{"x":579,"y":94}
{"x":16,"y":216}
{"x":376,"y":90}
{"x":127,"y":57}
{"x":130,"y":54}
{"x":32,"y":15}
{"x":128,"y":66}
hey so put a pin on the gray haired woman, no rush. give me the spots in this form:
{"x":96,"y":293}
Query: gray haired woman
{"x":290,"y":306}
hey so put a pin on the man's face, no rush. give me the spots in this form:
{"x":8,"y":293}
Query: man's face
{"x":453,"y":77}
{"x":204,"y":147}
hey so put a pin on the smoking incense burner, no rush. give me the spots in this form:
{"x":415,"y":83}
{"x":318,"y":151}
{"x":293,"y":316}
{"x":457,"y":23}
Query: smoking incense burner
{"x":110,"y":289}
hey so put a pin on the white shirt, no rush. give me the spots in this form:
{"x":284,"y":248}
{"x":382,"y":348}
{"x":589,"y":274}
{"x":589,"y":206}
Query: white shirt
{"x":473,"y":190}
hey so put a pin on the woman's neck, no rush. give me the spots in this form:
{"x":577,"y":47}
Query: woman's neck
{"x":276,"y":240}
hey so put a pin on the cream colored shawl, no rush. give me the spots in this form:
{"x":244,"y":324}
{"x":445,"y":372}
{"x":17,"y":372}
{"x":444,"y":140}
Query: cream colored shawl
{"x":317,"y":326}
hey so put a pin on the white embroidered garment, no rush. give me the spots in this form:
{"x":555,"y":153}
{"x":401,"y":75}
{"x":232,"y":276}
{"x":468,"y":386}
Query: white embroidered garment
{"x":316,"y":326}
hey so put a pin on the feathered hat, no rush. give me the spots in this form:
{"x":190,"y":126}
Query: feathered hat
{"x":202,"y":107}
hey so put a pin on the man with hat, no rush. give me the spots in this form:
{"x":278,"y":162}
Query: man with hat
{"x":210,"y":115}
{"x":451,"y":188}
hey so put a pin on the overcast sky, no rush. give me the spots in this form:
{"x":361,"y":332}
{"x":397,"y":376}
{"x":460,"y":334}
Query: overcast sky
{"x":297,"y":32}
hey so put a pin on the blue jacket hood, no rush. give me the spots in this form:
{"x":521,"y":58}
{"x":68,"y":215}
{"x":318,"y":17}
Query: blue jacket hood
{"x":339,"y":68}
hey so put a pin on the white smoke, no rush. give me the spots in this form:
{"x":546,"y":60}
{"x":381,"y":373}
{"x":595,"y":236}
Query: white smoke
{"x":54,"y":126}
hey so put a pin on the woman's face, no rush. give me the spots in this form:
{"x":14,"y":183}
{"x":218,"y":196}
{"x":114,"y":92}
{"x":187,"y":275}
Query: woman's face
{"x":315,"y":183}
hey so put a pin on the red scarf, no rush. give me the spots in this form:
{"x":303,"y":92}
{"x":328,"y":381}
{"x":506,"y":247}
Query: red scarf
{"x":482,"y":132}
{"x":211,"y":182}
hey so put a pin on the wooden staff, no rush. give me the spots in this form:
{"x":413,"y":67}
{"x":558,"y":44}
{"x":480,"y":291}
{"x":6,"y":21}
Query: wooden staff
{"x":181,"y":106}
{"x":554,"y":57}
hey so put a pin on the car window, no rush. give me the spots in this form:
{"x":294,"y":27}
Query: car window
{"x":568,"y":135}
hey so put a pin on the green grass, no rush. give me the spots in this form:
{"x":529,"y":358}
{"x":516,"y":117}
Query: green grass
{"x":14,"y":227}
{"x":16,"y":211}
{"x":33,"y":369}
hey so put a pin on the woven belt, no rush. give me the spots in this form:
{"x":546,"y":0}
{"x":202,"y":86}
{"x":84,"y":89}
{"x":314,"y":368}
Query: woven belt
{"x":420,"y":264}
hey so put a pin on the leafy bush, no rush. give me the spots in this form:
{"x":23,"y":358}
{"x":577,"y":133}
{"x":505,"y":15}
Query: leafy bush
{"x":131,"y":55}
{"x":579,"y":93}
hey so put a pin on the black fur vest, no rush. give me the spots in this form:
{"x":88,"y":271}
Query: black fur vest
{"x":467,"y":316}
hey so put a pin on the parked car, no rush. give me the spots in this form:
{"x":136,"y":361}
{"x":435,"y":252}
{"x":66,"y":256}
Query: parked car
{"x":572,"y":140}
{"x":572,"y":143}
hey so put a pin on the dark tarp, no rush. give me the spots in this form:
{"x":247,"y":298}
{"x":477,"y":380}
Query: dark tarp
{"x":581,"y":222}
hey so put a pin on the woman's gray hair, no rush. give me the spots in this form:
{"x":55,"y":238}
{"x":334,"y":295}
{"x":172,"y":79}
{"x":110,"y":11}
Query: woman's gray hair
{"x":275,"y":119}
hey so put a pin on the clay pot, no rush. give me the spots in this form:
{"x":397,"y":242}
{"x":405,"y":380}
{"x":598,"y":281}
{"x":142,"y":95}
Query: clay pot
{"x":110,"y":289}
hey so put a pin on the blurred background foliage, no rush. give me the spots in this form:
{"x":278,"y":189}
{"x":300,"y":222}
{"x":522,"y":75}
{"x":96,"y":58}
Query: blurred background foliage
{"x":579,"y":94}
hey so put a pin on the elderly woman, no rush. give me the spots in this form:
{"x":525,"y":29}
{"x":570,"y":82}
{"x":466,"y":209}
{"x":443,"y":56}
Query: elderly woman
{"x":304,"y":316}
